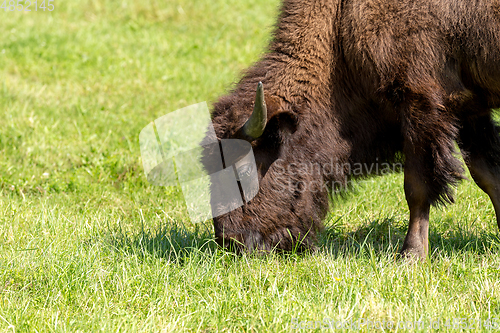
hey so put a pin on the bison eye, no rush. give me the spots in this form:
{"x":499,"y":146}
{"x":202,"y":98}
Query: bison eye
{"x":244,"y":171}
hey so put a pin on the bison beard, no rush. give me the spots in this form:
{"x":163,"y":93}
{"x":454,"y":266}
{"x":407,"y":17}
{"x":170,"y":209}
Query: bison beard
{"x":364,"y":81}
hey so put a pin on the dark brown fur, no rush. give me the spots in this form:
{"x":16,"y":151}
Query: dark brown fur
{"x":366,"y":81}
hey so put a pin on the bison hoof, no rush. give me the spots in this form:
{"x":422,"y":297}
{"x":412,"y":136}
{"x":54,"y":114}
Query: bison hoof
{"x":413,"y":253}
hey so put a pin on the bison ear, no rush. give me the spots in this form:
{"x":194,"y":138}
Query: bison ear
{"x":280,"y":118}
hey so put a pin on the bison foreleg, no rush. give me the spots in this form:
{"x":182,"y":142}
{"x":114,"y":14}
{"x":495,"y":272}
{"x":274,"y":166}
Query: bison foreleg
{"x":487,"y":177}
{"x":480,"y":145}
{"x":417,"y":241}
{"x":431,"y":166}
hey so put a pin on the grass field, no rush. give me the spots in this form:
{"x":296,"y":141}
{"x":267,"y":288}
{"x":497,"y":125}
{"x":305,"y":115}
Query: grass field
{"x":86,"y":244}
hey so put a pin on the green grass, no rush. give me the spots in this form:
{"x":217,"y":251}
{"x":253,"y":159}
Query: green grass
{"x":86,"y":244}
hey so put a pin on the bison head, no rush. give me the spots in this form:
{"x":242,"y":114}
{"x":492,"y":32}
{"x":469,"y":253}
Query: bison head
{"x":286,"y":210}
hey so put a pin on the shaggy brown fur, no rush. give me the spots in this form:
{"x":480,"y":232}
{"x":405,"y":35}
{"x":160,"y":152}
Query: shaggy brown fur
{"x":352,"y":82}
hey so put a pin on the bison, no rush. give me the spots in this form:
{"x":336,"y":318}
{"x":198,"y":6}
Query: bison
{"x":364,"y":82}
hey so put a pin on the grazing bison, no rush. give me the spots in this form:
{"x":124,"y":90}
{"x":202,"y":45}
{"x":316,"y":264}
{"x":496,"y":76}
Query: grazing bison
{"x":364,"y":82}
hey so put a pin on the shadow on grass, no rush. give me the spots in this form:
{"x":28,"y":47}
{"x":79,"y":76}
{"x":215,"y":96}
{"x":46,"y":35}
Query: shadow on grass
{"x":172,"y":241}
{"x":386,"y":236}
{"x":176,"y":242}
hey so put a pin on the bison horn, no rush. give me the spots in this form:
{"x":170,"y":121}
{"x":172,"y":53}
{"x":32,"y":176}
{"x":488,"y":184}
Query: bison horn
{"x":256,"y":124}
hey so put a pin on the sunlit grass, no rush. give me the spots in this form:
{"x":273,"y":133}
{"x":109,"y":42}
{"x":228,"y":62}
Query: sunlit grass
{"x":86,"y":244}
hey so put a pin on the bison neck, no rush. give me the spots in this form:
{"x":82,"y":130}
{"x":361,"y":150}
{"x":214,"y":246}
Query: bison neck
{"x":299,"y":63}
